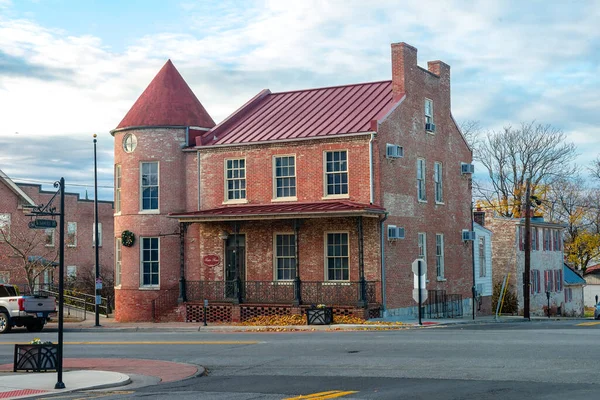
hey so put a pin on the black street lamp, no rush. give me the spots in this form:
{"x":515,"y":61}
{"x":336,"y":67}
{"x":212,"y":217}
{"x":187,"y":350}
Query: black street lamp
{"x":96,"y":241}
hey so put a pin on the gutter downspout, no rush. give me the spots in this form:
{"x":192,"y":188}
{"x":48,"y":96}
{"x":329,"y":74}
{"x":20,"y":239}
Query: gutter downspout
{"x":383,"y":297}
{"x":187,"y":136}
{"x":371,"y":167}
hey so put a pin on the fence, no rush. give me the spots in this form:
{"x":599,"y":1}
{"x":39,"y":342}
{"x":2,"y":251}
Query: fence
{"x":276,"y":292}
{"x":442,"y":305}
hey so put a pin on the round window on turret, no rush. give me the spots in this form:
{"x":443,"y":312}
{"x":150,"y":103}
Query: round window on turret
{"x":129,"y":142}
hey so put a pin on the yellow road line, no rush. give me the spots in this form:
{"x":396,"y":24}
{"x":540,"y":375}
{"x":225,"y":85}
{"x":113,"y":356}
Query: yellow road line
{"x":332,"y":394}
{"x":153,"y":342}
{"x":588,"y":323}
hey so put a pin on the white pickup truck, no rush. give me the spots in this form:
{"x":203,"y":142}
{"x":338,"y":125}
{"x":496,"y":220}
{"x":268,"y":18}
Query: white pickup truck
{"x":29,"y":311}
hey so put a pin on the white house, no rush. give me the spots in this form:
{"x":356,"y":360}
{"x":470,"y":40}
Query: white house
{"x":591,"y":292}
{"x":482,"y":260}
{"x":573,"y":305}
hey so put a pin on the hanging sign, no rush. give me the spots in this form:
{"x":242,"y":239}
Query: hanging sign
{"x":211,"y":260}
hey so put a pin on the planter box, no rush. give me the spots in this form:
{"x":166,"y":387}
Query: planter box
{"x":35,"y":357}
{"x":319,"y":316}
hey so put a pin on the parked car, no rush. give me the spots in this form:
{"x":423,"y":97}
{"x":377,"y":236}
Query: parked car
{"x":597,"y":311}
{"x":29,"y":311}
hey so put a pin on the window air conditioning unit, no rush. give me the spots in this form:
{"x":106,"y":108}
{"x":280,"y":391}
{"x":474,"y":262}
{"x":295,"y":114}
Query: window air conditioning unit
{"x":468,"y":235}
{"x":395,"y":232}
{"x":467,"y":169}
{"x":394,"y":151}
{"x":430,"y":127}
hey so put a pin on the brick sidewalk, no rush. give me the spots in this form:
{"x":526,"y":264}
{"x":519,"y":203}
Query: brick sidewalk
{"x":166,"y":371}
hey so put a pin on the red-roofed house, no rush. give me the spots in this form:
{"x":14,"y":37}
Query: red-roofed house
{"x":591,"y":291}
{"x":297,"y":198}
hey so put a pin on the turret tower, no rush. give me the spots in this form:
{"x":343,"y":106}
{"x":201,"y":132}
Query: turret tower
{"x":151,"y":176}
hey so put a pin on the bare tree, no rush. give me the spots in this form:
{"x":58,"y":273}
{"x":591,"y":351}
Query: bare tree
{"x":511,"y":156}
{"x":472,"y":132}
{"x":29,"y":248}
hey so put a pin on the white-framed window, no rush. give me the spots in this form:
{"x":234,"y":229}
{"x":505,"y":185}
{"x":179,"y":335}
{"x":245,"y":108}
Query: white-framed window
{"x":422,"y":243}
{"x":421,"y":193}
{"x":71,"y":234}
{"x":337,"y":256}
{"x":71,"y":271}
{"x":118,"y":245}
{"x":284,"y":177}
{"x":149,"y":186}
{"x":150,"y":262}
{"x":482,"y":260}
{"x":129,"y":142}
{"x":534,"y":239}
{"x":428,"y":111}
{"x":336,"y":173}
{"x":99,"y":235}
{"x":438,"y":178}
{"x":285,"y":256}
{"x":235,"y":179}
{"x":534,"y":281}
{"x":117,"y":188}
{"x":439,"y":255}
{"x":546,"y":239}
{"x":4,"y":226}
{"x":558,"y":280}
{"x":568,"y":295}
{"x":549,"y":278}
{"x":49,"y":237}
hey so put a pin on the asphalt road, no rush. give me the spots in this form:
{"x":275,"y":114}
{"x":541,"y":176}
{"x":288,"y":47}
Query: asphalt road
{"x":534,"y":360}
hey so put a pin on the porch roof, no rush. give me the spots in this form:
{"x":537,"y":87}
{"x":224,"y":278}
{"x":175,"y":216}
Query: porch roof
{"x":321,"y":209}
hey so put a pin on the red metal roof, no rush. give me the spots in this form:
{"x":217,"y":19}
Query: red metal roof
{"x":283,"y":210}
{"x":167,"y":101}
{"x":304,"y":114}
{"x":593,"y":268}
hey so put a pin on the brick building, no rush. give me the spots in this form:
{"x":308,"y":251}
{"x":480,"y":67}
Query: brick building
{"x":43,"y":245}
{"x":302,"y":197}
{"x":547,"y":259}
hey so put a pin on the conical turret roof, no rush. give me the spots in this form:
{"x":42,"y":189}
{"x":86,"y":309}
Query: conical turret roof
{"x":167,"y":101}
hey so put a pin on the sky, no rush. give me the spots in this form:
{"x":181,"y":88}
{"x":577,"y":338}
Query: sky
{"x":72,"y":68}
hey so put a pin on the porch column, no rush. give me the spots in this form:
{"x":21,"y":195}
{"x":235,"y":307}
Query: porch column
{"x":237,"y":286}
{"x":182,"y":229}
{"x":297,"y":281}
{"x":362,"y":295}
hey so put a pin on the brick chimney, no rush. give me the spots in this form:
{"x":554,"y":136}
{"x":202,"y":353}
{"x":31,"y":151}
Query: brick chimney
{"x":442,"y":70}
{"x":479,"y":217}
{"x":404,"y":66}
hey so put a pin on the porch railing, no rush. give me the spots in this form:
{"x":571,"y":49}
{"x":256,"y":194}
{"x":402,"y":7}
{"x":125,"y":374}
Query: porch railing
{"x":276,"y":292}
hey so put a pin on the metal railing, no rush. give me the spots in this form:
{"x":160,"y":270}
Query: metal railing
{"x":442,"y":305}
{"x":277,"y":292}
{"x":72,"y":299}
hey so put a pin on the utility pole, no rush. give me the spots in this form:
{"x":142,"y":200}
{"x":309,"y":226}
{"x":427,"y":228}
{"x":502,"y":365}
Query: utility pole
{"x":527,"y":248}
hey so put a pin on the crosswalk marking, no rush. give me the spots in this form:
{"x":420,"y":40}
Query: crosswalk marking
{"x":589,"y":323}
{"x":332,"y":394}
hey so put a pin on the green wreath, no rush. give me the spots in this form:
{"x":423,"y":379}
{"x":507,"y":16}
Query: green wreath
{"x":127,"y":238}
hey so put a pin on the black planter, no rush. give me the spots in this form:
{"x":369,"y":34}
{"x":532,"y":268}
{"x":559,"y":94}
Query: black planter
{"x":319,"y":316}
{"x":35,"y":357}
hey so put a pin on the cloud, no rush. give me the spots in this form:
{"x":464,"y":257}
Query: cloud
{"x":12,"y":66}
{"x":46,"y":160}
{"x":511,"y":62}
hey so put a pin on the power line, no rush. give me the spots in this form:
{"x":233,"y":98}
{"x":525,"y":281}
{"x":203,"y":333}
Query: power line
{"x":52,"y":182}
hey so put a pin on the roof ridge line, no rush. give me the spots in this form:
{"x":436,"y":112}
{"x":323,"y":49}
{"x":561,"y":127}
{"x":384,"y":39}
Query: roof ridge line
{"x":331,"y":87}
